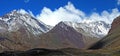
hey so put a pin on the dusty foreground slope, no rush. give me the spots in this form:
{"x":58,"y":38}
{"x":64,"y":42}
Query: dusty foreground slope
{"x":60,"y":52}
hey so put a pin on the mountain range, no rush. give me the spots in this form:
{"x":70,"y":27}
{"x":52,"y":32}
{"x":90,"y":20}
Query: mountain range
{"x":21,"y":31}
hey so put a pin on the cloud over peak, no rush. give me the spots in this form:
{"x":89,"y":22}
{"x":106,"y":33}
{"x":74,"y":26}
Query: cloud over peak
{"x":70,"y":13}
{"x":66,"y":13}
{"x":104,"y":16}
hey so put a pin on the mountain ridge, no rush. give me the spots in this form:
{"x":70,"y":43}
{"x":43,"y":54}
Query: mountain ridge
{"x":63,"y":34}
{"x":97,"y":29}
{"x":26,"y":32}
{"x":111,"y":41}
{"x":16,"y":17}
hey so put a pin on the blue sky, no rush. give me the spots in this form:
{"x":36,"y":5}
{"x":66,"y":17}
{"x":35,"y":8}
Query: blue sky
{"x":76,"y":9}
{"x":37,"y":5}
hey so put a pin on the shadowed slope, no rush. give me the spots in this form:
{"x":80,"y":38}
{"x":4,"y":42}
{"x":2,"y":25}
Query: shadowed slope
{"x":112,"y":40}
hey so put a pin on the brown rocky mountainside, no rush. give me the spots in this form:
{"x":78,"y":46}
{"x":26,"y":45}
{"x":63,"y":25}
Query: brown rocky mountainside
{"x":21,"y":39}
{"x":61,"y":36}
{"x":63,"y":39}
{"x":64,"y":36}
{"x":115,"y":24}
{"x":20,"y":31}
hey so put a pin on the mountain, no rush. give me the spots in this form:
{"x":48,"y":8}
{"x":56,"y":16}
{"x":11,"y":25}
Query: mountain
{"x":24,"y":32}
{"x":97,"y":29}
{"x":20,"y":31}
{"x":112,"y":40}
{"x":17,"y":19}
{"x":65,"y":36}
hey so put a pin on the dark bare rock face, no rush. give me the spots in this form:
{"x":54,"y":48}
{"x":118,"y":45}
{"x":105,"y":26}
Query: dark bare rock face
{"x":115,"y":24}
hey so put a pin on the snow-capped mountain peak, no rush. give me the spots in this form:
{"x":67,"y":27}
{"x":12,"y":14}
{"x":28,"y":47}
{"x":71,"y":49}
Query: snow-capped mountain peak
{"x":17,"y":18}
{"x":94,"y":28}
{"x":98,"y":27}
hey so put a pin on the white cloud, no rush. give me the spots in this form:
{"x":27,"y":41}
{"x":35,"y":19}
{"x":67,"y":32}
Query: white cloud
{"x":66,"y":13}
{"x":106,"y":16}
{"x":70,"y":13}
{"x":118,"y":2}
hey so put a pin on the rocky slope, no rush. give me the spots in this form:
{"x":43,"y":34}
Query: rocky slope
{"x":115,"y":24}
{"x":20,"y":31}
{"x":65,"y":36}
{"x":112,"y":40}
